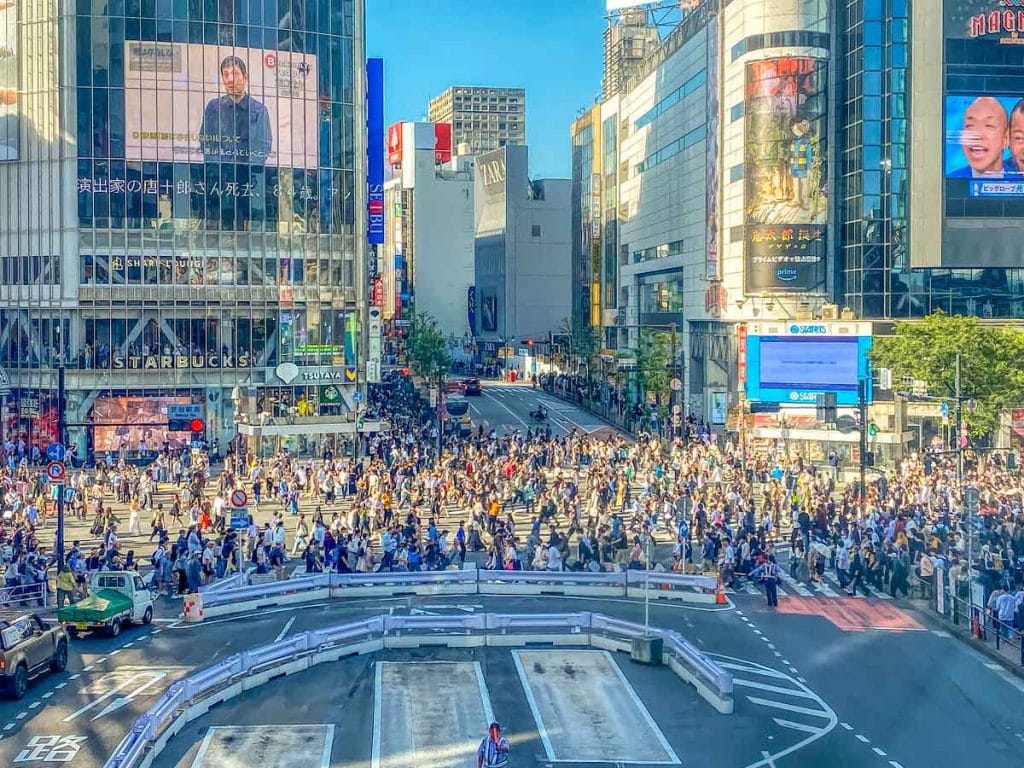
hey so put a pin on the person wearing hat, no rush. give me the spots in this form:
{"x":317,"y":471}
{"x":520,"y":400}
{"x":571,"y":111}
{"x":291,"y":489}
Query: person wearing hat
{"x":494,"y":749}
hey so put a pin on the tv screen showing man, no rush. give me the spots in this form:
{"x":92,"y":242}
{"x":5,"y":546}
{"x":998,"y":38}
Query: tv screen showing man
{"x":236,"y":127}
{"x":983,"y":139}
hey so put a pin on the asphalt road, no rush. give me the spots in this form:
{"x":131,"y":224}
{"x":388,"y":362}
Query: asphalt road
{"x":506,"y":408}
{"x":809,"y":694}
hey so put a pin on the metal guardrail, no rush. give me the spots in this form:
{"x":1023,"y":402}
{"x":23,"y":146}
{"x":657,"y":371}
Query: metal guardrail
{"x":663,"y":584}
{"x":24,"y":595}
{"x":150,"y":732}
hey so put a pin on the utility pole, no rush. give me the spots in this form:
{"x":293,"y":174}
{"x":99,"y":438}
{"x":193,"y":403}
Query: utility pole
{"x":671,"y":389}
{"x":61,"y":438}
{"x":959,"y":427}
{"x":862,"y":404}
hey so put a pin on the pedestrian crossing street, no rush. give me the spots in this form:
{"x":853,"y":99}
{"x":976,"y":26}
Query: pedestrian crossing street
{"x":829,"y":587}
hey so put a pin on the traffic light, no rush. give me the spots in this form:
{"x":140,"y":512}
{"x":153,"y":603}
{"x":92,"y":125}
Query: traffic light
{"x":869,"y":459}
{"x":405,"y":371}
{"x":196,"y":426}
{"x":529,"y":342}
{"x":872,"y":429}
{"x":178,"y":425}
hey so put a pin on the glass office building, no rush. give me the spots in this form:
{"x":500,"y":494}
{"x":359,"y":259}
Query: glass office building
{"x":181,"y":213}
{"x":877,"y":247}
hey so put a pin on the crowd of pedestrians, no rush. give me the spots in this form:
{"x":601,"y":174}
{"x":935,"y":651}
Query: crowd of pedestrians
{"x":528,"y":500}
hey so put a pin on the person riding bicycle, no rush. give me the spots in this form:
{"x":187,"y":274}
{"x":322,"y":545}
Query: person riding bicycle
{"x":494,"y":749}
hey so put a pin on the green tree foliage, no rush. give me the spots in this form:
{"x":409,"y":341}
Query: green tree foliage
{"x":427,"y":350}
{"x":653,"y":354}
{"x":583,"y":341}
{"x":991,"y":363}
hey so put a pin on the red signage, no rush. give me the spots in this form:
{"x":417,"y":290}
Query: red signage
{"x":442,"y":143}
{"x":997,"y":22}
{"x":715,"y":299}
{"x":377,"y":292}
{"x":395,"y":144}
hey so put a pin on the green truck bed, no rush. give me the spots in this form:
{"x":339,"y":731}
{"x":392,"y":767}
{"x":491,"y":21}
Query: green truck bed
{"x":96,"y":608}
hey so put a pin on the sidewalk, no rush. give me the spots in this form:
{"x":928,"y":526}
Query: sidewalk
{"x":1008,"y":654}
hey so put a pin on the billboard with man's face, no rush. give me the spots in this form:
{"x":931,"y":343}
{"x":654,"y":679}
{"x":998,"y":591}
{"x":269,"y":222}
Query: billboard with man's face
{"x":982,"y":134}
{"x":213,"y":103}
{"x":8,"y":80}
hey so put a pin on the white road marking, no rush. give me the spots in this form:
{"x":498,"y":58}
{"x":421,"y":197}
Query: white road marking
{"x":21,"y":716}
{"x":9,"y":726}
{"x":796,"y":726}
{"x":788,"y":707}
{"x":847,"y":726}
{"x":790,"y":582}
{"x":878,"y":752}
{"x":35,"y":705}
{"x":120,"y":683}
{"x":864,"y":739}
{"x":763,"y":671}
{"x":299,"y":746}
{"x":894,"y":764}
{"x":772,"y":688}
{"x":283,"y":632}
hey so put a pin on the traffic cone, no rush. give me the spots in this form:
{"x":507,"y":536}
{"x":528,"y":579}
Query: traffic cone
{"x":720,"y":594}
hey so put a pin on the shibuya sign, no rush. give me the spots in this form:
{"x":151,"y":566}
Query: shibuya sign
{"x":166,"y":362}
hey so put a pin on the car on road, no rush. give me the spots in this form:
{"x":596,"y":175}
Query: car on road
{"x":115,"y":598}
{"x":458,"y":414}
{"x":453,"y":386}
{"x":471,"y":386}
{"x":29,"y":647}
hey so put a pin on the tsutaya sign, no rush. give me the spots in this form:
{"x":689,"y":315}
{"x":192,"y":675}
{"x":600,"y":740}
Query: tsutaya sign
{"x":159,"y":362}
{"x":290,"y":372}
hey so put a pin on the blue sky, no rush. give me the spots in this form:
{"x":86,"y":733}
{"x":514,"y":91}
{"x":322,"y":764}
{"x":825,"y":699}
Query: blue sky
{"x":550,"y":47}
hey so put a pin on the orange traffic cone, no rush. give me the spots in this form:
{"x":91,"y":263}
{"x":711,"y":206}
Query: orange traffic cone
{"x":720,"y":594}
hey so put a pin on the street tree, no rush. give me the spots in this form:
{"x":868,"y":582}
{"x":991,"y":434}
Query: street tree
{"x":991,"y":370}
{"x":428,"y":350}
{"x":583,"y":341}
{"x":652,"y":363}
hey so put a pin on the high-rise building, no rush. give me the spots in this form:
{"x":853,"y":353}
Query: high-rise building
{"x":629,"y":38}
{"x":427,"y":262}
{"x":485,"y":118}
{"x":523,"y":251}
{"x":163,"y":250}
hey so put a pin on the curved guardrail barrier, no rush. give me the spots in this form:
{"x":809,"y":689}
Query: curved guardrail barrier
{"x":194,"y":696}
{"x":660,"y":585}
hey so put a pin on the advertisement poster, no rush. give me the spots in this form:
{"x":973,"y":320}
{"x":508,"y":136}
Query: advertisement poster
{"x":375,"y":151}
{"x":489,"y":316}
{"x":210,"y":103}
{"x":786,"y":175}
{"x":116,"y":419}
{"x":8,"y":80}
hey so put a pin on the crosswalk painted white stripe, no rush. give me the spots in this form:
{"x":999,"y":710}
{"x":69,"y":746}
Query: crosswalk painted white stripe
{"x":793,"y":584}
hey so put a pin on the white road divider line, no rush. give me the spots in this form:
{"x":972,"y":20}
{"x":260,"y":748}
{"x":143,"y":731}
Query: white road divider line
{"x":284,"y":631}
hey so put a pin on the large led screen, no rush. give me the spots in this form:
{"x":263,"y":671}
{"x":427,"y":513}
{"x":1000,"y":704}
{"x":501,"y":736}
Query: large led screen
{"x":795,"y":367}
{"x":212,"y":103}
{"x":786,"y":172}
{"x":789,"y":362}
{"x":985,"y":143}
{"x":128,"y":422}
{"x":8,"y":80}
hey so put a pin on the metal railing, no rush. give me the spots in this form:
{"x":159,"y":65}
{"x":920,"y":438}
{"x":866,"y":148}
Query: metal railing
{"x":658,"y":584}
{"x":973,"y":615}
{"x":191,"y":697}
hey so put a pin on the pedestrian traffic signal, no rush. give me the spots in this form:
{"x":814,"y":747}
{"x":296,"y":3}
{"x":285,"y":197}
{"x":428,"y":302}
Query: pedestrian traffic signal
{"x":196,"y":425}
{"x":869,"y":459}
{"x":178,"y":425}
{"x":872,"y":429}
